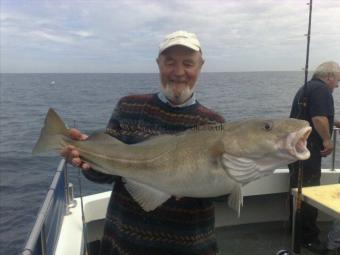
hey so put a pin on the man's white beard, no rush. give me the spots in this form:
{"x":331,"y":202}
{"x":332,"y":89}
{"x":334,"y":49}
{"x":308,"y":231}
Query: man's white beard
{"x":177,"y":95}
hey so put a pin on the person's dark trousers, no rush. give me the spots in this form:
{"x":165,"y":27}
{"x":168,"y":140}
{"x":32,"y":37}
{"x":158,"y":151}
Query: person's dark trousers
{"x":311,"y":177}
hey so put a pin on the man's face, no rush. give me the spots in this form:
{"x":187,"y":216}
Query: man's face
{"x":333,"y":81}
{"x":179,"y":69}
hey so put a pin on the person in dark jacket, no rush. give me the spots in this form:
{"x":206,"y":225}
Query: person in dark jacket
{"x":179,"y":226}
{"x":319,"y":112}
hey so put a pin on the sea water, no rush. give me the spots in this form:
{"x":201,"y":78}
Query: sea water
{"x":87,"y":101}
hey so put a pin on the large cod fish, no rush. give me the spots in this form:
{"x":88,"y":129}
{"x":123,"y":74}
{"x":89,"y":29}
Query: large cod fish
{"x":206,"y":161}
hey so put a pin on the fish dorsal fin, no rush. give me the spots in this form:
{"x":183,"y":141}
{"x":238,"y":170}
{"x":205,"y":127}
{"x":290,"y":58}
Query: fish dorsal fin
{"x":51,"y":134}
{"x":54,"y":124}
{"x":235,"y":199}
{"x":242,"y":170}
{"x":147,"y":197}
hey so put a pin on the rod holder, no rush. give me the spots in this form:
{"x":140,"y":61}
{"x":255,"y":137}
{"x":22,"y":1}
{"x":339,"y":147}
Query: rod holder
{"x":70,"y":192}
{"x":335,"y":131}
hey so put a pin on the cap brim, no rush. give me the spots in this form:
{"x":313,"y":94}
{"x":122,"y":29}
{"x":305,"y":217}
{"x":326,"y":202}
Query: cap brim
{"x":180,"y":43}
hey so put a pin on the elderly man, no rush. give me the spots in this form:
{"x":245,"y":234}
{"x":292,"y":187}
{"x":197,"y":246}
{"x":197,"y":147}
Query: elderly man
{"x":179,"y":226}
{"x":320,"y":114}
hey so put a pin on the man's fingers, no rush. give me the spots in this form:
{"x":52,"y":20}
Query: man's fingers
{"x":67,"y":151}
{"x":71,"y":154}
{"x":76,"y":161}
{"x":77,"y":135}
{"x":75,"y":153}
{"x":85,"y":166}
{"x":326,"y":152}
{"x":83,"y":137}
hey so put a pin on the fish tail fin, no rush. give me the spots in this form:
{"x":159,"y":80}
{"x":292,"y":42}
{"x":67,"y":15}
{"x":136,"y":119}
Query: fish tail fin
{"x":235,"y":199}
{"x":51,"y":134}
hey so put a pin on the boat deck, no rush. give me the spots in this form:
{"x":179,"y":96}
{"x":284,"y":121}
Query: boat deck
{"x":259,"y":230}
{"x":266,"y":238}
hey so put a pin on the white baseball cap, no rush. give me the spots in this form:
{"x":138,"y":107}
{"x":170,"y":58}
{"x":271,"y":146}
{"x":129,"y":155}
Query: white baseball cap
{"x":183,"y":38}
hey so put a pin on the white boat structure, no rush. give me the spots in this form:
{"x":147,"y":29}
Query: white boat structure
{"x":64,"y":224}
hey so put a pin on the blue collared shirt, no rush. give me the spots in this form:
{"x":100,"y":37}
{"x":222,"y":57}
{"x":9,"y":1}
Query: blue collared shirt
{"x":189,"y":102}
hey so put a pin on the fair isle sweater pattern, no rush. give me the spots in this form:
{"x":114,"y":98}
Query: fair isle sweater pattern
{"x":184,"y":226}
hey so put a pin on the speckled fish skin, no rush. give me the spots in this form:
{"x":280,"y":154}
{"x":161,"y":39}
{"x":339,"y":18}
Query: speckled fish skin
{"x":206,"y":161}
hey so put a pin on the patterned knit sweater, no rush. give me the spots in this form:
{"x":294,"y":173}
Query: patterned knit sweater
{"x":184,"y":226}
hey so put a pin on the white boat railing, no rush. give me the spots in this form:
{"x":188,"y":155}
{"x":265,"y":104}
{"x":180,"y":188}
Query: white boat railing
{"x":45,"y":232}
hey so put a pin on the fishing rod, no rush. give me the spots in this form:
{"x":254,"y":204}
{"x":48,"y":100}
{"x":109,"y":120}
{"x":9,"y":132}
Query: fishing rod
{"x":303,"y":109}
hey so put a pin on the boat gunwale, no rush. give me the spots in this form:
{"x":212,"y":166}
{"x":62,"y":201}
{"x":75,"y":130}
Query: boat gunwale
{"x":38,"y":230}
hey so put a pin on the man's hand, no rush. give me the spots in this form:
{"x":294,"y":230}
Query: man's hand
{"x":337,"y":124}
{"x":321,"y":126}
{"x":327,"y":148}
{"x":71,"y":154}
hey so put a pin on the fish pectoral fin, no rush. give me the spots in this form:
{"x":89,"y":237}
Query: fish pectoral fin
{"x":242,"y":170}
{"x":147,"y":197}
{"x":235,"y":199}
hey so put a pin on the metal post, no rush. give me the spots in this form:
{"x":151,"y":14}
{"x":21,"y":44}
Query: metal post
{"x":43,"y":240}
{"x":82,"y":213}
{"x":67,"y":200}
{"x":293,"y":219}
{"x":71,"y":199}
{"x":335,"y":130}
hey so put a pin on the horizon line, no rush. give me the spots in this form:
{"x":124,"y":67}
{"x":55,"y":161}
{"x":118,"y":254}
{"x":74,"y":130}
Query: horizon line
{"x":258,"y":71}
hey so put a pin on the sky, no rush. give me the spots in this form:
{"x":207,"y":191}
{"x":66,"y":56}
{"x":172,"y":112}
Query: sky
{"x":103,"y":36}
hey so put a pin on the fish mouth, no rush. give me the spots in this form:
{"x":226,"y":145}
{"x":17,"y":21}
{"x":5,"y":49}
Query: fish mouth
{"x":297,"y":143}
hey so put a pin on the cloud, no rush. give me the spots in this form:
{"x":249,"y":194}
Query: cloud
{"x":41,"y":36}
{"x":83,"y":34}
{"x":123,"y":36}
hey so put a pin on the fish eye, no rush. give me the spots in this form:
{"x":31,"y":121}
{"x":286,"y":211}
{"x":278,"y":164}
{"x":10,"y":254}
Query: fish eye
{"x":268,"y":126}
